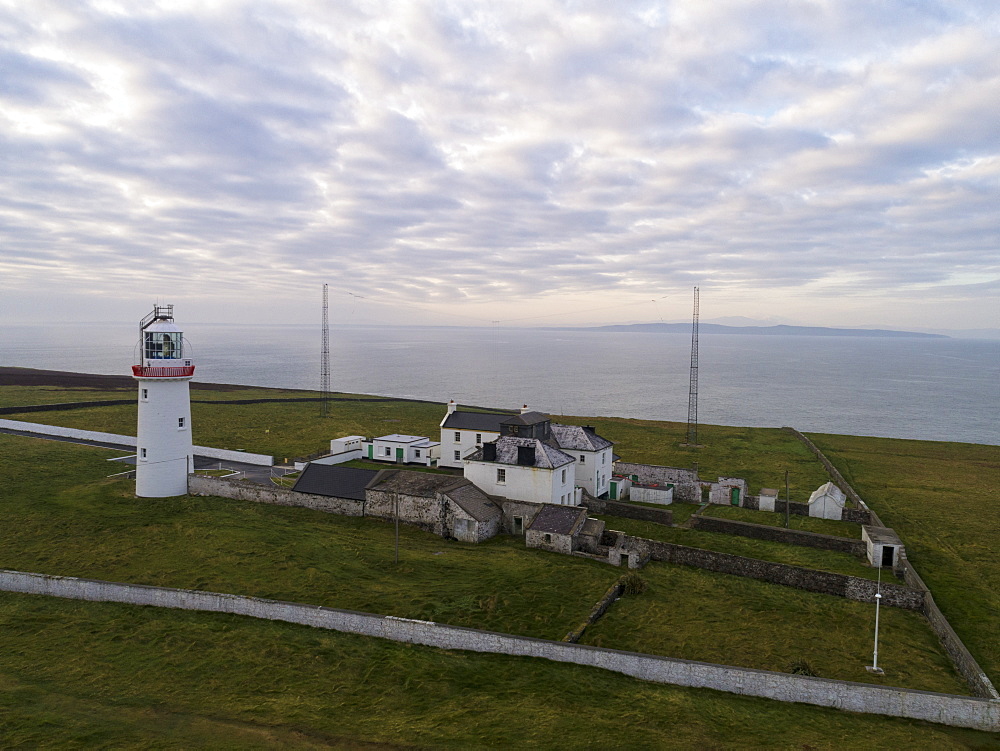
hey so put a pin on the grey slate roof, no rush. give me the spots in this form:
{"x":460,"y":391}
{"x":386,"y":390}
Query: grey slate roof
{"x":425,"y":484}
{"x":559,"y":520}
{"x":474,"y":502}
{"x":526,"y":418}
{"x":334,"y":482}
{"x":575,"y":438}
{"x":546,"y":457}
{"x":487,"y":421}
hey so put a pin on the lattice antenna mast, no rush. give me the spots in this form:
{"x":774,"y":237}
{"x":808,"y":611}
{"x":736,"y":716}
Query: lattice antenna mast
{"x":692,"y":436}
{"x":324,"y":371}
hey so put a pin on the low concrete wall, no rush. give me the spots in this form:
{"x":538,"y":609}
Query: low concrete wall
{"x":811,"y":580}
{"x":248,"y":491}
{"x":64,"y":406}
{"x":612,"y":596}
{"x":130,"y":440}
{"x":628,"y":511}
{"x":959,"y":711}
{"x":779,"y":534}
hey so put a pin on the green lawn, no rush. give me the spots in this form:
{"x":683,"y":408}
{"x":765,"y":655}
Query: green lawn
{"x":778,"y":552}
{"x":942,"y":499}
{"x":804,"y":523}
{"x":104,"y":675}
{"x":700,"y":615}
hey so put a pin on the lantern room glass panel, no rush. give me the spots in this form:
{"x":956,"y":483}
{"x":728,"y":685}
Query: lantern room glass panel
{"x":163,"y":345}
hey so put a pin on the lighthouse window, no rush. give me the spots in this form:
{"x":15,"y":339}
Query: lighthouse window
{"x":142,"y":453}
{"x":145,"y":393}
{"x":163,"y":345}
{"x":180,"y":422}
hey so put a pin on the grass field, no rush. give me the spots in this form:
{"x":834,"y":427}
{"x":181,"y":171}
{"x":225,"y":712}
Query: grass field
{"x":942,"y":499}
{"x":103,"y":675}
{"x":95,"y":674}
{"x":804,"y":523}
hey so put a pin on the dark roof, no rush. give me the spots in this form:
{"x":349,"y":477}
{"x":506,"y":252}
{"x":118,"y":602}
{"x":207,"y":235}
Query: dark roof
{"x":575,"y":438}
{"x":526,"y":418}
{"x":560,"y":520}
{"x":474,"y":502}
{"x":546,"y":457}
{"x":409,"y":482}
{"x":333,"y":481}
{"x":487,"y":421}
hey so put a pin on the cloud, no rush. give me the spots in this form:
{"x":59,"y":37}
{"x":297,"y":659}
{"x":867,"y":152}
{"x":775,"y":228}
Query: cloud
{"x":527,"y":155}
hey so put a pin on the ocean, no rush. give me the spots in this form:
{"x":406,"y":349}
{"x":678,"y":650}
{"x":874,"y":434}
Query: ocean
{"x":935,"y":389}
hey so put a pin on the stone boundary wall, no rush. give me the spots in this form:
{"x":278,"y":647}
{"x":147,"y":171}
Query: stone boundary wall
{"x":278,"y":496}
{"x":963,"y":660}
{"x":811,"y":580}
{"x":780,"y":534}
{"x":130,"y":440}
{"x":794,"y":508}
{"x":629,"y":511}
{"x":614,"y":593}
{"x":64,"y":406}
{"x":959,"y":711}
{"x":839,"y":481}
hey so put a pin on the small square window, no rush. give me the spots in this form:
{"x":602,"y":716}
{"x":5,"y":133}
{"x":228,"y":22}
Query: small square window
{"x":416,"y":453}
{"x":501,"y":475}
{"x":388,"y":451}
{"x":458,"y":437}
{"x":583,"y":459}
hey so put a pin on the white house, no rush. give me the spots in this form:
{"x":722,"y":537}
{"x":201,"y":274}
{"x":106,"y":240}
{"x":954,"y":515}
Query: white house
{"x":524,"y":469}
{"x":463,"y":432}
{"x":402,"y":449}
{"x":592,"y":453}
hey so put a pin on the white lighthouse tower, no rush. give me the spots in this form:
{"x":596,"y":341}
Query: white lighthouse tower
{"x":163,"y":451}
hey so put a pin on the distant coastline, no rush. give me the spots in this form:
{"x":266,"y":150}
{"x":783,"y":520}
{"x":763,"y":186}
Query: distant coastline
{"x":718,"y":328}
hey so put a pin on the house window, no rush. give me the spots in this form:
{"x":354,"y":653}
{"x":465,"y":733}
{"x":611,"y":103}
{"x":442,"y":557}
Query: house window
{"x":142,"y":453}
{"x":458,"y":455}
{"x":180,"y":423}
{"x":458,"y":437}
{"x":479,"y":438}
{"x":604,"y":458}
{"x":583,"y":459}
{"x":513,"y":429}
{"x":564,"y":476}
{"x":388,"y":451}
{"x":416,"y":453}
{"x":501,"y":476}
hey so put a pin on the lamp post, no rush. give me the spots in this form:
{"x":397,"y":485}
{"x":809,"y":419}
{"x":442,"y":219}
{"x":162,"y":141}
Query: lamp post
{"x":874,"y":668}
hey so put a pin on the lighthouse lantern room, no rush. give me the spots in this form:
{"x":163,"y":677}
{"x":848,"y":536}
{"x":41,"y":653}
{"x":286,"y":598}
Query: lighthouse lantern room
{"x":164,"y":455}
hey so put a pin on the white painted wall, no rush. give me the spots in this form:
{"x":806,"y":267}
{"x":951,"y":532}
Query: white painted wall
{"x":465,"y":445}
{"x":593,"y":469}
{"x":164,"y":452}
{"x":663,"y":496}
{"x":534,"y":484}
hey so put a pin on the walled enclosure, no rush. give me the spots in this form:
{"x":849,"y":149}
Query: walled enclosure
{"x":779,"y":534}
{"x":948,"y":709}
{"x":687,"y":487}
{"x":246,"y":491}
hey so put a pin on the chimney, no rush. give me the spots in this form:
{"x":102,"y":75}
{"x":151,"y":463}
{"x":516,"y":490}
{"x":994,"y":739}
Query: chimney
{"x":525,"y":409}
{"x":489,"y":452}
{"x":452,"y":407}
{"x":526,"y":456}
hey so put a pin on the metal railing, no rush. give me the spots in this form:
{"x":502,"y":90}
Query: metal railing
{"x":143,"y":371}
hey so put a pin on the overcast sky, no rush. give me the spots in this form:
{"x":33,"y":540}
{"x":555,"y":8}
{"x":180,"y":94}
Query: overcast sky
{"x":826,"y":162}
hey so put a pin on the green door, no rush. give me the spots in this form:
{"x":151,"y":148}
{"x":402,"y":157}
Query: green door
{"x":399,"y":455}
{"x":734,"y":496}
{"x":371,"y":452}
{"x":614,"y":491}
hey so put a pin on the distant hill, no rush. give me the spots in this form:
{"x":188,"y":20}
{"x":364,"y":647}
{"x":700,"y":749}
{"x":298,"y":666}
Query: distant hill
{"x":781,"y":330}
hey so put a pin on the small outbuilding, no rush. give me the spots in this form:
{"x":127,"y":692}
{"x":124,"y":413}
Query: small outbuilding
{"x":884,"y":548}
{"x":766,"y":499}
{"x":827,"y":502}
{"x":555,"y":527}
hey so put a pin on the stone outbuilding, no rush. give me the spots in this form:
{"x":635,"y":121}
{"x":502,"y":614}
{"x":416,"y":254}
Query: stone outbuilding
{"x":443,"y":504}
{"x":728,"y":491}
{"x":555,"y":527}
